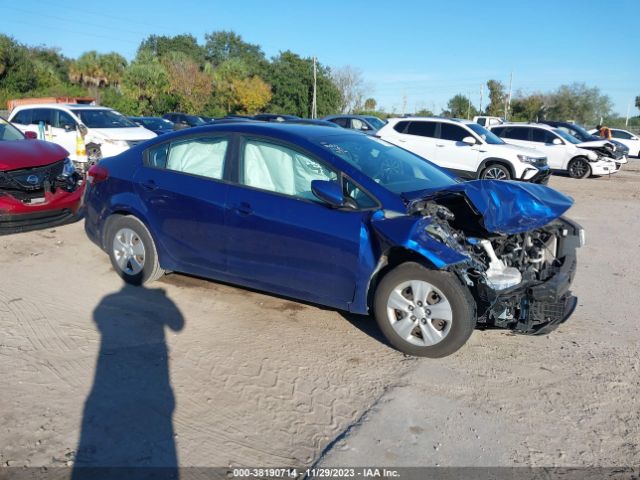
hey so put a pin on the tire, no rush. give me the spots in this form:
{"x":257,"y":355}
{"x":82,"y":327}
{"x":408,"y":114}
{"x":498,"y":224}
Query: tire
{"x":416,"y":329}
{"x":496,"y":172}
{"x":132,"y":251}
{"x":579,"y":168}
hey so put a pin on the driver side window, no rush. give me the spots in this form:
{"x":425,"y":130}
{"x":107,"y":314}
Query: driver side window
{"x":280,"y":169}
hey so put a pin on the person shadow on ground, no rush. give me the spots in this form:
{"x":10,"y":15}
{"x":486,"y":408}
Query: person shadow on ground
{"x":127,"y":423}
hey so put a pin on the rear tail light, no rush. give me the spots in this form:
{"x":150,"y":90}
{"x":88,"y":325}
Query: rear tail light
{"x":97,"y":174}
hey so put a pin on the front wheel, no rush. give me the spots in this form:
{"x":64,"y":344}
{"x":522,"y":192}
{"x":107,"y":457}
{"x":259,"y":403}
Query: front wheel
{"x":496,"y":172}
{"x":579,"y":168}
{"x":424,"y":312}
{"x":132,"y":251}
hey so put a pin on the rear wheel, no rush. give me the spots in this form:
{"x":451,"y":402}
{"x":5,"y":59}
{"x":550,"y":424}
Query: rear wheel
{"x":424,"y":312}
{"x":132,"y":251}
{"x":579,"y":168}
{"x":496,"y":172}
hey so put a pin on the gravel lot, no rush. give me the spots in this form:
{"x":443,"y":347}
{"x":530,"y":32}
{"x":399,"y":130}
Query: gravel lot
{"x":94,"y":370}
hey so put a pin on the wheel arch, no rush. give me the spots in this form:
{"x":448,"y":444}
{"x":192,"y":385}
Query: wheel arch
{"x":390,"y":259}
{"x":487,"y":162}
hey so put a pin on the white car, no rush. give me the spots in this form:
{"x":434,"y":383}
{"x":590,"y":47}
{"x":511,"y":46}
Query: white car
{"x":630,"y":140}
{"x":466,"y":148}
{"x":565,"y":153}
{"x":109,"y":130}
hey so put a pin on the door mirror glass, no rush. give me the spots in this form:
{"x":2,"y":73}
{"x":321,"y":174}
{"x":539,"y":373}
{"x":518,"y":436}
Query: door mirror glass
{"x":469,"y":140}
{"x":83,"y":130}
{"x":557,"y":141}
{"x":329,"y":192}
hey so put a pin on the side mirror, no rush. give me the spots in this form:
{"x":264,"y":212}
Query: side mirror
{"x":83,"y":130}
{"x":30,"y":135}
{"x":329,"y":192}
{"x":469,"y":140}
{"x":557,"y":141}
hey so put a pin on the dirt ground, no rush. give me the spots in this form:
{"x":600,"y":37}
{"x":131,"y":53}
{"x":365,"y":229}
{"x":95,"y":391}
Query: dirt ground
{"x":213,"y":375}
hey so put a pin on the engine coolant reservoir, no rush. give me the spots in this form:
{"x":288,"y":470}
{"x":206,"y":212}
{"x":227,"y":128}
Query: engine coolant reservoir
{"x":499,"y":276}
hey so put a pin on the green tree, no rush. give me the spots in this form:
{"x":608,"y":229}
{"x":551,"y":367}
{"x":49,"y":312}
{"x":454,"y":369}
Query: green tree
{"x":527,"y":108}
{"x":291,"y":79}
{"x":370,"y":104}
{"x":94,"y":70}
{"x":190,"y":86}
{"x":223,"y":46}
{"x":496,"y":98}
{"x":145,"y":82}
{"x":160,"y":46}
{"x":460,"y":107}
{"x":579,"y":103}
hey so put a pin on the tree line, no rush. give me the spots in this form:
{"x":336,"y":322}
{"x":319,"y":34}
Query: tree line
{"x":227,"y":75}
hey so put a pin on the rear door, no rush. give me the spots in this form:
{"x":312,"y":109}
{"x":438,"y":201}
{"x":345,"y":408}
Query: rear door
{"x":418,"y":137}
{"x":452,"y":153}
{"x":280,"y":237}
{"x":181,"y":183}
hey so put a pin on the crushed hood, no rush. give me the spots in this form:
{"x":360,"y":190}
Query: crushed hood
{"x":506,"y":207}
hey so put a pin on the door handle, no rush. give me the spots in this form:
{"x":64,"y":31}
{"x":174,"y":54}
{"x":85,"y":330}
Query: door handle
{"x":149,"y":185}
{"x":439,"y":145}
{"x":402,"y":140}
{"x":243,"y":208}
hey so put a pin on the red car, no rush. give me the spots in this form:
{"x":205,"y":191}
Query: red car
{"x":39,"y":186}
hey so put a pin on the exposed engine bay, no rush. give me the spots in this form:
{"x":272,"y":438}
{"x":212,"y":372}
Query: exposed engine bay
{"x":520,"y":281}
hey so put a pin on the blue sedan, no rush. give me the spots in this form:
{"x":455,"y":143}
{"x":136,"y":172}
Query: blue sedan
{"x":340,"y":219}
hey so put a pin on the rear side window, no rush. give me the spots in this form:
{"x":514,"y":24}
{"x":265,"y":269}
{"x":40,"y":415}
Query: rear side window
{"x":515,"y":133}
{"x":23,"y":117}
{"x":41,"y":115}
{"x":343,"y":122}
{"x":202,"y":156}
{"x":422,"y":129}
{"x":620,"y":134}
{"x":482,"y":121}
{"x":455,"y":133}
{"x":539,"y":135}
{"x":401,"y":127}
{"x":280,"y":169}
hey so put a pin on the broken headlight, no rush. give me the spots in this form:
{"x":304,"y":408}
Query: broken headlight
{"x":68,"y":168}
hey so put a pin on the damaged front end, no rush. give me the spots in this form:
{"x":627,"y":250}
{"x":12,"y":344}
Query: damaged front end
{"x":514,"y":250}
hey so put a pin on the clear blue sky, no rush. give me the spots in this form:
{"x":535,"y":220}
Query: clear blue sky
{"x":427,"y":51}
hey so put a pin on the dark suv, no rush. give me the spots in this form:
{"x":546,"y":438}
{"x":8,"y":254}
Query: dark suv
{"x":184,"y":120}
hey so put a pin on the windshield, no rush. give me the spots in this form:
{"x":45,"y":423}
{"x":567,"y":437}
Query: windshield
{"x":489,"y":137}
{"x":94,"y":118}
{"x":392,"y":167}
{"x":376,"y":122}
{"x":157,"y":123}
{"x":580,"y":132}
{"x":9,"y":132}
{"x":566,"y":136}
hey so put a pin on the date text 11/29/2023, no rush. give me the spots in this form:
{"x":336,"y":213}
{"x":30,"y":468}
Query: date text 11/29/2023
{"x":329,"y":472}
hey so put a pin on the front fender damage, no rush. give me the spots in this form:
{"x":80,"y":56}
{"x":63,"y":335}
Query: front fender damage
{"x":508,"y":245}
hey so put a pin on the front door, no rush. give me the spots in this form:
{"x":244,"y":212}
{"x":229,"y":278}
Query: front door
{"x":280,"y":237}
{"x":453,"y":153}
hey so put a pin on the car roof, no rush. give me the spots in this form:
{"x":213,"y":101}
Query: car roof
{"x":283,"y":130}
{"x":62,"y":106}
{"x":524,"y":124}
{"x":432,"y":119}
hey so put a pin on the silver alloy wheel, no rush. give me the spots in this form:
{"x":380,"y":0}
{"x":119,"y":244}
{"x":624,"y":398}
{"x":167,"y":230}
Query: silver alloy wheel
{"x":419,"y":313}
{"x":495,"y":173}
{"x":128,"y":250}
